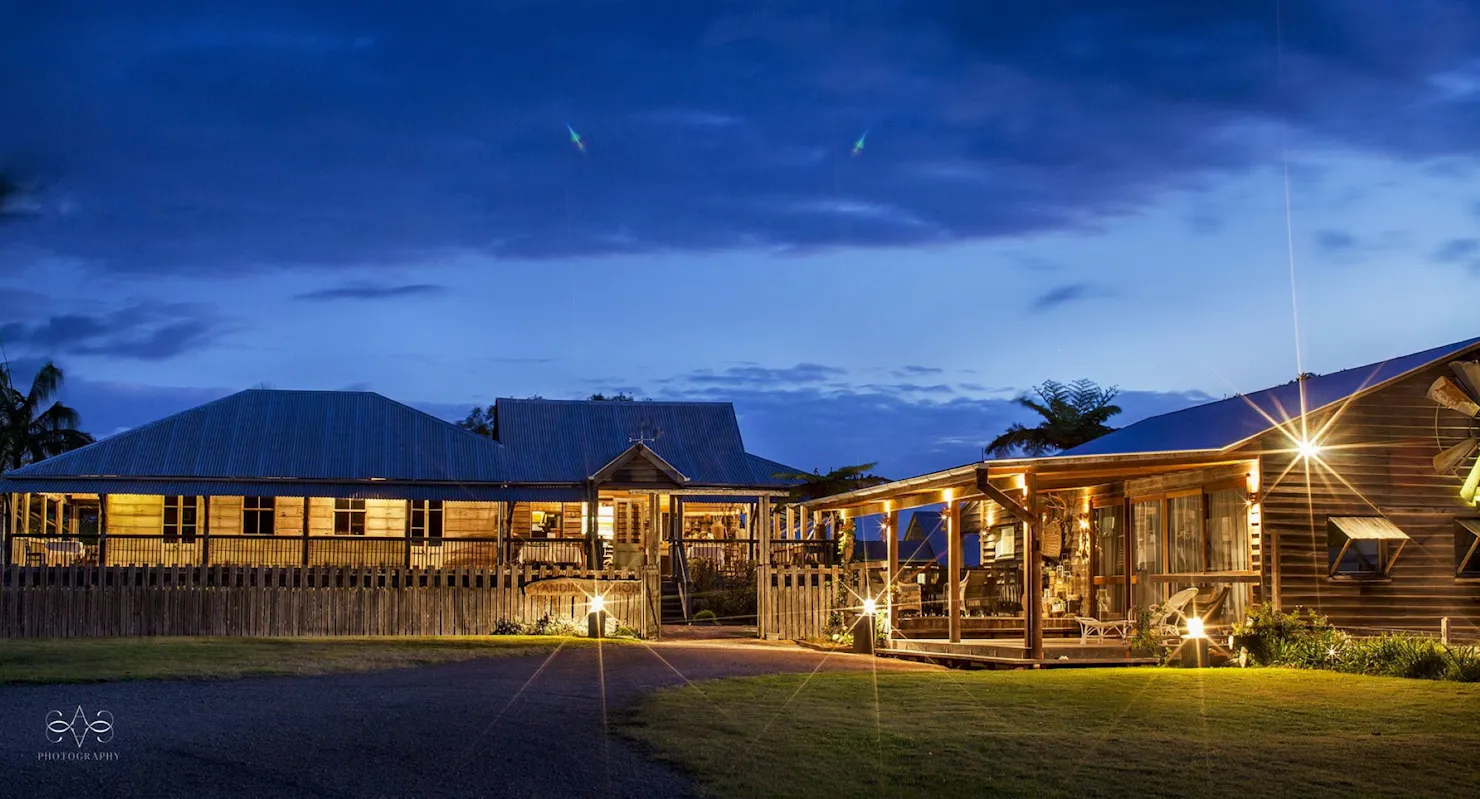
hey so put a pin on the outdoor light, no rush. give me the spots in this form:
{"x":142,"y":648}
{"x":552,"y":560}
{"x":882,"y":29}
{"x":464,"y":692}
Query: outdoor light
{"x":596,"y":619}
{"x":1194,"y":627}
{"x":1308,"y":449}
{"x":863,"y":628}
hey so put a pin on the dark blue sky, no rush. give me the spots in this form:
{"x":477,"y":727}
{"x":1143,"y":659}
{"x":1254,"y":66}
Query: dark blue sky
{"x":383,"y":195}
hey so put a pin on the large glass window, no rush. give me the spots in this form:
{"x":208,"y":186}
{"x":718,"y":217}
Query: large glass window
{"x":258,"y":515}
{"x":426,"y":522}
{"x":1109,"y":538}
{"x":1228,"y":531}
{"x":1146,"y":557}
{"x":180,"y":514}
{"x":349,"y":517}
{"x":1184,"y":533}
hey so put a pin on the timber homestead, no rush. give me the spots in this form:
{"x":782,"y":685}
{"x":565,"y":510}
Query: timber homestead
{"x":1351,"y":494}
{"x":331,"y":512}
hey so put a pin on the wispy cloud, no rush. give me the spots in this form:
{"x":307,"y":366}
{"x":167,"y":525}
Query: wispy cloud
{"x":145,"y":331}
{"x":365,"y":291}
{"x":1065,"y":294}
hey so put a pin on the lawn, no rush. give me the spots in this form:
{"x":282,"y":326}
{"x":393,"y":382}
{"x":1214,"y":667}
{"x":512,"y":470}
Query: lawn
{"x":1107,"y":732}
{"x":104,"y":659}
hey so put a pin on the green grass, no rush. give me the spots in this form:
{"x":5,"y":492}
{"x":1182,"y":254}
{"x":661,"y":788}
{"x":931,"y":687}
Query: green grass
{"x":1107,"y":732}
{"x":106,"y":659}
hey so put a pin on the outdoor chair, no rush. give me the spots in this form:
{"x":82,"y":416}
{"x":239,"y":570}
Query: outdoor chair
{"x":1166,"y":617}
{"x":1121,"y":628}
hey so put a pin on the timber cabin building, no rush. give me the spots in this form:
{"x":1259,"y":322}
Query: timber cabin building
{"x":1361,"y":508}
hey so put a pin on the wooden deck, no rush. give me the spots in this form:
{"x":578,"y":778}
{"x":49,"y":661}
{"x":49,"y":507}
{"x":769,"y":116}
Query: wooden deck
{"x":1011,"y":653}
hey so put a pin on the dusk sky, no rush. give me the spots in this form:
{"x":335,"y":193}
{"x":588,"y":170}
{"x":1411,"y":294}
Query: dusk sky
{"x":384,"y":196}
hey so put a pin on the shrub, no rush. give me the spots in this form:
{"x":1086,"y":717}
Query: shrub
{"x":507,"y":627}
{"x":726,"y":594}
{"x":1272,"y":638}
{"x":706,"y":615}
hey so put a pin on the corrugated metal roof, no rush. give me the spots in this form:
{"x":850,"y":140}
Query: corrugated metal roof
{"x":294,"y":488}
{"x":1221,"y":424}
{"x":556,"y":441}
{"x":316,"y":435}
{"x":1368,"y":528}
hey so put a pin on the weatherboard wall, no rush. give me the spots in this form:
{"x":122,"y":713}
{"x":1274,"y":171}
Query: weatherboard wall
{"x":1375,"y":460}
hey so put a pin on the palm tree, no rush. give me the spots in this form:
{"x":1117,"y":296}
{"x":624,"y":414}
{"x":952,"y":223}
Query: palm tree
{"x":30,"y":428}
{"x":1072,"y":414}
{"x":838,"y":481}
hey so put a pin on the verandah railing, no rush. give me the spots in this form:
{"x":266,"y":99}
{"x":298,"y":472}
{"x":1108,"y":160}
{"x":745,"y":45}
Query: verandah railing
{"x":117,"y":549}
{"x":283,"y":551}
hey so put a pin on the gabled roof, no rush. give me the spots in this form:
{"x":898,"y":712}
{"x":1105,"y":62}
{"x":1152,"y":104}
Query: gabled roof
{"x":308,"y":435}
{"x":560,"y":441}
{"x":1225,"y":423}
{"x":639,"y":452}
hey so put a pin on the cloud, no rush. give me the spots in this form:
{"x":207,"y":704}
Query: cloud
{"x":1344,"y":246}
{"x":262,"y":135}
{"x":1462,"y":251}
{"x":753,"y":376}
{"x":1065,"y":294}
{"x":145,"y":331}
{"x":1335,"y":242}
{"x":913,"y":370}
{"x":369,"y":292}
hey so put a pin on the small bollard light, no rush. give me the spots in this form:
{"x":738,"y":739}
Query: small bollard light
{"x":596,"y":618}
{"x":1196,"y":636}
{"x":863,"y":628}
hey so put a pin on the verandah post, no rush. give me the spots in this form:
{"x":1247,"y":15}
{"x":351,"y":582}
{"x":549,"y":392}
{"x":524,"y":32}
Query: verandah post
{"x":1033,"y":571}
{"x":953,"y":569}
{"x":102,"y":530}
{"x":891,"y":547}
{"x":205,"y":537}
{"x":305,"y":531}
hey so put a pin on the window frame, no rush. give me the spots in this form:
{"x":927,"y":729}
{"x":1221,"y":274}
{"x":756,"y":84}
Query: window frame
{"x":178,"y":531}
{"x":350,"y":510}
{"x":1385,"y":556}
{"x":426,"y":522}
{"x":259,"y":509}
{"x":1467,"y":549}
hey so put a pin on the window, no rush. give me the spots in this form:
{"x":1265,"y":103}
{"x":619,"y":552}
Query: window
{"x":426,"y":522}
{"x":349,"y":517}
{"x":546,"y":523}
{"x":180,"y":515}
{"x":1185,"y":533}
{"x":1109,"y":538}
{"x":1467,"y":548}
{"x":1228,"y":531}
{"x":258,"y":515}
{"x":1363,"y":547}
{"x":1146,"y":552}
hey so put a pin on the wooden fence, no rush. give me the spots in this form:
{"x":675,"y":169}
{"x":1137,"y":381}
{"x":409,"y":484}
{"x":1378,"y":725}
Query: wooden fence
{"x":45,"y":602}
{"x":794,"y":602}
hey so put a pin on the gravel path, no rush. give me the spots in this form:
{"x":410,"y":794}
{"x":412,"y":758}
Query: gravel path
{"x":461,"y":729}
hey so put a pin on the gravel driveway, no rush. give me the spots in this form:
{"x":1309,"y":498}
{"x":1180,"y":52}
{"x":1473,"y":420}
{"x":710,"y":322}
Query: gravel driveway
{"x":462,"y":729}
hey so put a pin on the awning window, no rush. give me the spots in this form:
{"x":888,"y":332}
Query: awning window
{"x":1363,"y":547}
{"x":1467,"y":548}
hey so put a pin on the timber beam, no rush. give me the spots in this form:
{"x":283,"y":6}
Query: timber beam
{"x":997,"y":495}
